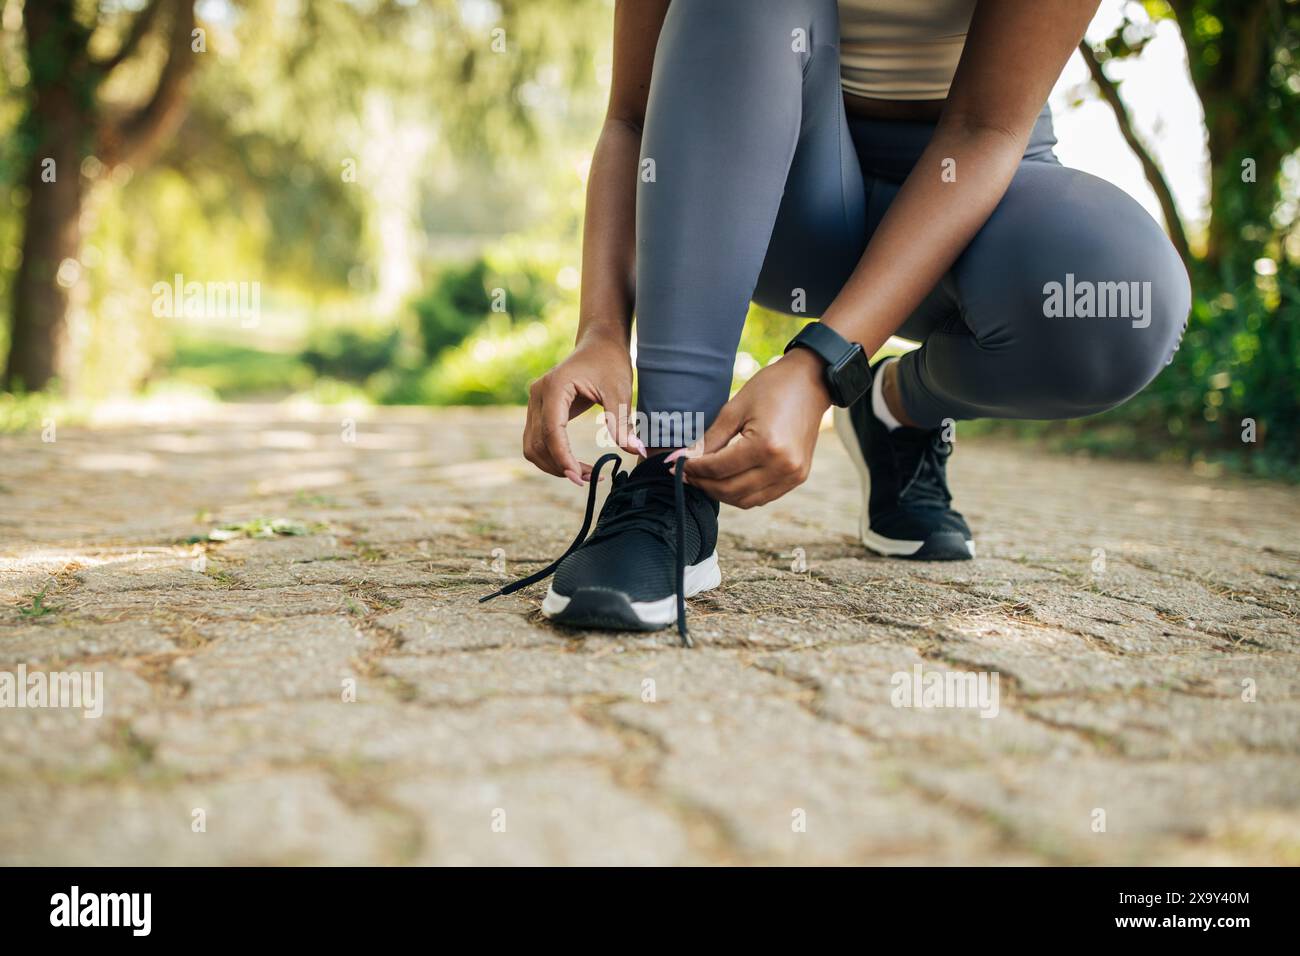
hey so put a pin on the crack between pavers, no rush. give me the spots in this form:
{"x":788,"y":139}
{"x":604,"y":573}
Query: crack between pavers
{"x":1029,"y":617}
{"x":1011,"y":837}
{"x":1022,"y":703}
{"x":637,"y":772}
{"x":409,"y":846}
{"x":1005,"y":830}
{"x":812,"y":702}
{"x":1217,"y":632}
{"x":1211,"y":586}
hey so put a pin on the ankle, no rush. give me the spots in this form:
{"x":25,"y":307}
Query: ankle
{"x":892,"y":395}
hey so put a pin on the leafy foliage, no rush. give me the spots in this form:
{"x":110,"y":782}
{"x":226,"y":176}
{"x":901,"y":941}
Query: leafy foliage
{"x":1240,"y":357}
{"x":464,"y":296}
{"x":467,"y":126}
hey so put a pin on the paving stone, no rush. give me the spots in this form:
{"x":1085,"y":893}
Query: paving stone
{"x":789,"y":788}
{"x":246,"y":663}
{"x":281,"y":549}
{"x":148,"y":572}
{"x":286,"y":819}
{"x":1150,"y":808}
{"x":86,"y":738}
{"x":560,"y":815}
{"x":429,"y":626}
{"x":863,"y":685}
{"x":1043,"y":659}
{"x":180,"y":609}
{"x":1127,"y":627}
{"x":1162,"y":724}
{"x":667,"y":675}
{"x":382,"y":731}
{"x":69,"y":641}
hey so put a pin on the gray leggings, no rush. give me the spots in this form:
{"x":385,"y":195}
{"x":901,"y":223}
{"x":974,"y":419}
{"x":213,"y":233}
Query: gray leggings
{"x":761,"y":188}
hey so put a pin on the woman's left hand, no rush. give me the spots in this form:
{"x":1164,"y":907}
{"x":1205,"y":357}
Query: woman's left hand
{"x":774,"y":420}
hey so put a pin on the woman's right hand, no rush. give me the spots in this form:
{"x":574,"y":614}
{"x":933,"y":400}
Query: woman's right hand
{"x":598,"y":372}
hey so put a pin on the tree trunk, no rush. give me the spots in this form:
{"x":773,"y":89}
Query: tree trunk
{"x":65,"y":124}
{"x":51,"y":234}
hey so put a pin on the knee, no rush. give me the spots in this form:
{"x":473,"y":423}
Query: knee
{"x":1099,"y":298}
{"x":1106,"y":333}
{"x":1142,"y":339}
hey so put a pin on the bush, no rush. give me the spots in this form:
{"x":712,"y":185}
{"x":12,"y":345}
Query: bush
{"x":463,"y":297}
{"x":352,"y":355}
{"x":497,"y":363}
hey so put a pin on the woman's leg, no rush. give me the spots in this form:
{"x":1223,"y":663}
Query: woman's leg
{"x":745,"y":160}
{"x":1068,"y":302}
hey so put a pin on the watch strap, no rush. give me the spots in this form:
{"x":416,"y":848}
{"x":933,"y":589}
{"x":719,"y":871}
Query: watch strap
{"x":825,"y":341}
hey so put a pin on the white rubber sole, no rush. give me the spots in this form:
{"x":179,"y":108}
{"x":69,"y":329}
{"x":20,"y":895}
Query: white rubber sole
{"x":886,"y":547}
{"x":699,"y":578}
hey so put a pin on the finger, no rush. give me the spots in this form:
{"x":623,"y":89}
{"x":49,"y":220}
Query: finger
{"x":764,"y":495}
{"x":741,"y":455}
{"x":537,"y":453}
{"x":554,"y":434}
{"x":619,"y":425}
{"x":533,"y":447}
{"x":686,"y":451}
{"x":730,"y":420}
{"x":718,"y":439}
{"x":735,"y":487}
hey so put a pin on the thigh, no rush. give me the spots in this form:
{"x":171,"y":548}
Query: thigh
{"x":1063,"y":227}
{"x":821,"y":226}
{"x":1068,"y":301}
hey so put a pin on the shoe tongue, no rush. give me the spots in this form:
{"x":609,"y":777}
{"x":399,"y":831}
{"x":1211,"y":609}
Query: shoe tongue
{"x":654,"y":467}
{"x":908,"y":433}
{"x":912,"y":441}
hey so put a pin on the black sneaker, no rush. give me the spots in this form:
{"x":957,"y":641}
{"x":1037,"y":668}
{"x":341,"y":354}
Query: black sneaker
{"x":655,"y":545}
{"x":906,"y":510}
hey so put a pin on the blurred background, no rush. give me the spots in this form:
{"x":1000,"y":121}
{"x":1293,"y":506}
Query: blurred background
{"x":379,"y":201}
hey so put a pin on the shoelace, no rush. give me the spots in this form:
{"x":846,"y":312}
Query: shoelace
{"x":926,"y":483}
{"x":679,"y":557}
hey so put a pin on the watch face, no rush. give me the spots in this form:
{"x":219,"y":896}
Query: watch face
{"x":850,"y":377}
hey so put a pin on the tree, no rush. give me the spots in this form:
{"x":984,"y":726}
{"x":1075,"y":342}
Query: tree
{"x":65,"y":122}
{"x":1240,"y":356}
{"x":1242,"y":62}
{"x":305,"y":75}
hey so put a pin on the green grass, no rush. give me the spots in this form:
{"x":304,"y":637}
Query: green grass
{"x":259,"y":528}
{"x":237,"y":371}
{"x":37,"y":608}
{"x":30,"y":413}
{"x":1113,"y":435}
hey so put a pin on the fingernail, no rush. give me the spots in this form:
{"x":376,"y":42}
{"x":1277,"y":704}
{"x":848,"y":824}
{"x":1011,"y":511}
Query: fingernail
{"x":574,"y":477}
{"x":673,"y":456}
{"x":638,"y":446}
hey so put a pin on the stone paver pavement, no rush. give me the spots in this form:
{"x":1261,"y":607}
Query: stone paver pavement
{"x":318,"y":684}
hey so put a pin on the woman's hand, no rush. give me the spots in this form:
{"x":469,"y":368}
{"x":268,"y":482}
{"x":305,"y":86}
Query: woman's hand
{"x":597,"y":372}
{"x":774,"y":420}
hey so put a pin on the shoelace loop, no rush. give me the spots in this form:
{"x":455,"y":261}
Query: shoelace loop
{"x":618,"y":479}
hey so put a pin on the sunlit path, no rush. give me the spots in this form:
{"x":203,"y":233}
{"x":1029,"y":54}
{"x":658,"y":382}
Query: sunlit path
{"x":284,"y":613}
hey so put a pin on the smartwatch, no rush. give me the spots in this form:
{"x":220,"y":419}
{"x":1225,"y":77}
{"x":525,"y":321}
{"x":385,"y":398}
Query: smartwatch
{"x":848,"y":373}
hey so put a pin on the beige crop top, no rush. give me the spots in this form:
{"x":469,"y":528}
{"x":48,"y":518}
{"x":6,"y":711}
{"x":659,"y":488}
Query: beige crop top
{"x":901,"y":49}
